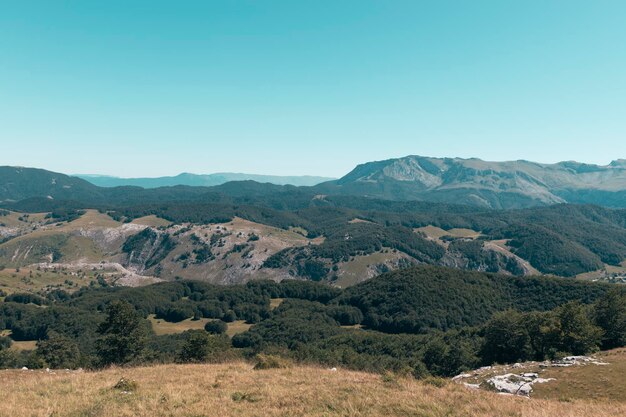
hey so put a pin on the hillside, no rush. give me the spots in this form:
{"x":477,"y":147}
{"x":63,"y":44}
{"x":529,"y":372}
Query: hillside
{"x":235,"y":389}
{"x":514,"y":184}
{"x":18,"y":183}
{"x":328,"y":241}
{"x":201,"y":180}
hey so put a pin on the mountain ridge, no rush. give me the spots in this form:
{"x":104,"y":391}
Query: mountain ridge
{"x":202,"y":180}
{"x":508,"y":184}
{"x":472,"y":182}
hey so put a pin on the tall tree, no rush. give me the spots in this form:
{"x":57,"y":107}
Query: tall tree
{"x":579,"y":335}
{"x":123,"y":335}
{"x":610,"y":315}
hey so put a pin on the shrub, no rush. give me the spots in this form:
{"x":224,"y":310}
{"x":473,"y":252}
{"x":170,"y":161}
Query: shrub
{"x":270,"y":362}
{"x":126,"y":385}
{"x":216,"y":327}
{"x":229,"y":316}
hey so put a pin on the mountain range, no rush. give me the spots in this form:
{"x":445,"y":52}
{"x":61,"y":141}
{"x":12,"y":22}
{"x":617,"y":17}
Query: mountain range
{"x":473,"y":182}
{"x":201,"y":180}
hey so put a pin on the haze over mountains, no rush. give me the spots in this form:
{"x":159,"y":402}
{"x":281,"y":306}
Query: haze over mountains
{"x":201,"y":180}
{"x":495,"y":185}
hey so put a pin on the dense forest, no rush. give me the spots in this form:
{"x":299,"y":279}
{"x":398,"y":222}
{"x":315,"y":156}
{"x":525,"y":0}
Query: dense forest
{"x":422,"y":320}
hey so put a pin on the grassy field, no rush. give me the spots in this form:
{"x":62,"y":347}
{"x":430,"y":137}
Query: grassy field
{"x":236,"y":327}
{"x":151,"y":220}
{"x":31,"y":280}
{"x":236,"y":389}
{"x":434,"y":232}
{"x":362,"y":267}
{"x":91,"y":218}
{"x":604,"y":274}
{"x":162,"y":327}
{"x":275,"y":302}
{"x":603,"y":383}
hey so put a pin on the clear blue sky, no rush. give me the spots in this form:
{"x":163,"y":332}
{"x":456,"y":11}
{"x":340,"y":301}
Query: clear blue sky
{"x":147,"y":88}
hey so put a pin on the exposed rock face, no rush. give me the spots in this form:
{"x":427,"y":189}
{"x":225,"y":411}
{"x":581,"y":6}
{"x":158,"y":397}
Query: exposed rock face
{"x":519,"y":378}
{"x":517,"y":384}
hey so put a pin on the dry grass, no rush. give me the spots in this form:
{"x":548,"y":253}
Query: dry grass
{"x":435,"y":232}
{"x":31,"y":280}
{"x":590,"y":381}
{"x":237,"y":390}
{"x":275,"y":302}
{"x":91,"y":219}
{"x":151,"y":220}
{"x":363,"y":267}
{"x":24,"y":345}
{"x":236,"y":327}
{"x":162,"y":327}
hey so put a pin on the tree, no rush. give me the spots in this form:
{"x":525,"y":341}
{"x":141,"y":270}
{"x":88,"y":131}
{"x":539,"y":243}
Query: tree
{"x":229,"y":316}
{"x":216,"y":327}
{"x":59,"y":352}
{"x":610,"y":315}
{"x":197,"y":347}
{"x":5,"y":342}
{"x":123,"y":335}
{"x":506,"y":338}
{"x":579,"y":335}
{"x":544,"y":331}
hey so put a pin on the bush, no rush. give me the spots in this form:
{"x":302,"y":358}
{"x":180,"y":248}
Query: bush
{"x":5,"y":342}
{"x":216,"y":327}
{"x":270,"y":362}
{"x":126,"y":385}
{"x":59,"y":352}
{"x":197,"y":348}
{"x":229,"y":316}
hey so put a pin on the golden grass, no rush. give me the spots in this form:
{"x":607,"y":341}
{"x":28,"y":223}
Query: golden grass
{"x":599,"y":382}
{"x":31,"y":280}
{"x":162,"y":327}
{"x":275,"y":302}
{"x":604,"y":272}
{"x":92,"y":218}
{"x":24,"y":345}
{"x":360,"y":267}
{"x":151,"y":220}
{"x":236,"y":389}
{"x":236,"y":327}
{"x":435,"y":232}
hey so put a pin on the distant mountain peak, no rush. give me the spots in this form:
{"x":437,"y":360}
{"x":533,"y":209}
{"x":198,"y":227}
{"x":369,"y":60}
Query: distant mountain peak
{"x":203,"y":180}
{"x":473,"y":181}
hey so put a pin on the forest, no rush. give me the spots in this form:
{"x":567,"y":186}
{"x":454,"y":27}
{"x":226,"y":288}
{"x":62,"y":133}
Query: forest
{"x":423,"y":320}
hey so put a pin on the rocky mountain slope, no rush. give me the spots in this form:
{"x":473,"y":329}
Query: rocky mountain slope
{"x":512,"y":184}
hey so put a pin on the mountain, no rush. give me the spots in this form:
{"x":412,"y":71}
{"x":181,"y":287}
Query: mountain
{"x":470,"y":182}
{"x":18,"y":183}
{"x":201,"y":180}
{"x":514,"y":184}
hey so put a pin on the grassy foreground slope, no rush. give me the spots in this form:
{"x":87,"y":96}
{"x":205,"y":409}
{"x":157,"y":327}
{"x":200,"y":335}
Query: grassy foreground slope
{"x":237,"y":390}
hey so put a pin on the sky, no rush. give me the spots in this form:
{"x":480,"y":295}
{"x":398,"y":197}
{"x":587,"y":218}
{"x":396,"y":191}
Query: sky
{"x":150,"y":88}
